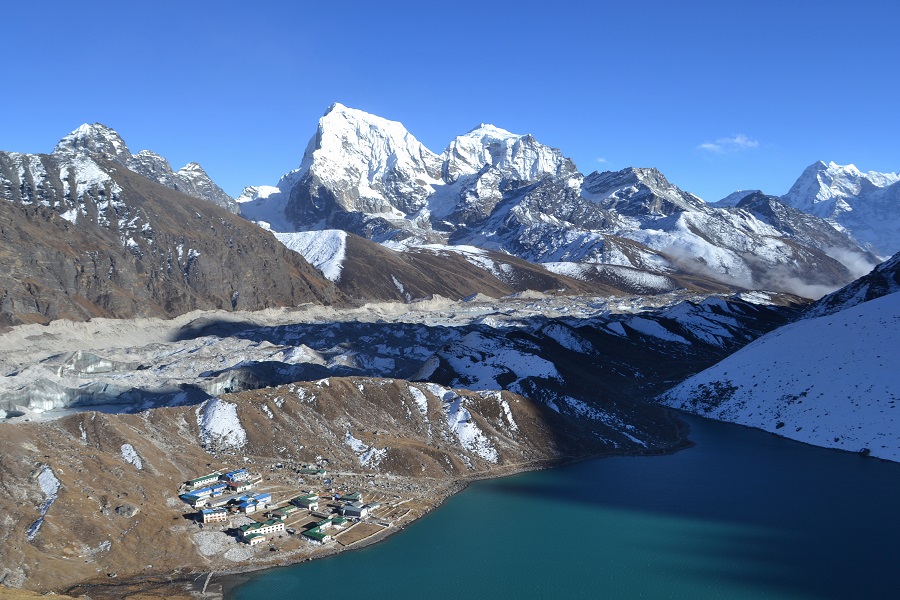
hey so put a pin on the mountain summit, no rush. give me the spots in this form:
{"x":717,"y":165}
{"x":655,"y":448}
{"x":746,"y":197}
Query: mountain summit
{"x":99,"y":141}
{"x":867,"y":205}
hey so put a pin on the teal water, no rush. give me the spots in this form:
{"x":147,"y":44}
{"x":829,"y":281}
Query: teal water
{"x":742,"y":514}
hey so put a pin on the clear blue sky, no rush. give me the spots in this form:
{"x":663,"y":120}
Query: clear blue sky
{"x":717,"y":95}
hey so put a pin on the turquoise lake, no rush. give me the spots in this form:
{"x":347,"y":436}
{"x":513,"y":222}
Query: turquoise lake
{"x":742,"y":514}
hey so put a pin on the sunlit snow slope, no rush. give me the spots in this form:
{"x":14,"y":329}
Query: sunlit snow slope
{"x":830,"y":381}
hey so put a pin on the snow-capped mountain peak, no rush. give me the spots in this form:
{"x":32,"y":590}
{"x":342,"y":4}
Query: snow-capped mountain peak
{"x":92,"y":141}
{"x":639,"y":192}
{"x":827,"y":183}
{"x":864,"y":204}
{"x":192,"y":168}
{"x":517,"y":157}
{"x":348,"y":133}
{"x":370,"y":164}
{"x":94,"y":138}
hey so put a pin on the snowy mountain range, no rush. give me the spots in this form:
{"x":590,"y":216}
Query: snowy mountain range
{"x":489,"y":191}
{"x":501,"y":191}
{"x":829,"y":379}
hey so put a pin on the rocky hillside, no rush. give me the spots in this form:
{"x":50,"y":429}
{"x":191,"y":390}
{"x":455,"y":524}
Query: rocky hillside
{"x":809,"y":230}
{"x":94,"y":496}
{"x":83,"y":236}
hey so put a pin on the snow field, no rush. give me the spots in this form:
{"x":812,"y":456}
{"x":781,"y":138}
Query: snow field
{"x":219,"y":424}
{"x":829,"y":381}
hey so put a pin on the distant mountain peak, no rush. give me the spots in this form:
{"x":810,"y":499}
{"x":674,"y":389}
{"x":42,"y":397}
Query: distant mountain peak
{"x":192,"y":168}
{"x":639,"y":192}
{"x":517,"y":157}
{"x":734,"y":198}
{"x":95,"y":138}
{"x":488,"y":130}
{"x":863,"y":203}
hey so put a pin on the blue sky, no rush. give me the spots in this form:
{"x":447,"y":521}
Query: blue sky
{"x":717,"y":95}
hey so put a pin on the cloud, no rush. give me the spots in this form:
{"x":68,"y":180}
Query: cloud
{"x":601,"y":160}
{"x":735,"y":143}
{"x":856,"y":263}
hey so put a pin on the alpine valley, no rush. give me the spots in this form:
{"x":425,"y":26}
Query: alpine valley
{"x":396,"y":322}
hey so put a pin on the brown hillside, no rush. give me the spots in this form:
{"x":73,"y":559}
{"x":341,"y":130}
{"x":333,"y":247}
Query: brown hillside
{"x":113,"y":520}
{"x":152,"y":251}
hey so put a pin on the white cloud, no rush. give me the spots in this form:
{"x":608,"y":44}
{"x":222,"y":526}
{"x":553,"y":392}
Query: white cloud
{"x":601,"y":160}
{"x":735,"y":143}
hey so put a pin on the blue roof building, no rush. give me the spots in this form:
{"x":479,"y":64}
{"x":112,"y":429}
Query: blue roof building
{"x":237,"y":475}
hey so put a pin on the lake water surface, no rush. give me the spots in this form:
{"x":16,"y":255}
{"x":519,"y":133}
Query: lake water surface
{"x":743,"y":514}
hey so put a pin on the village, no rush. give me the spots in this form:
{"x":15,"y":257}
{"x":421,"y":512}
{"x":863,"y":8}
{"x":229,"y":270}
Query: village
{"x":245,"y":506}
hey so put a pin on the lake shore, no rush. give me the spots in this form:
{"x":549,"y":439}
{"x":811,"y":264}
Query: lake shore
{"x":228,"y":581}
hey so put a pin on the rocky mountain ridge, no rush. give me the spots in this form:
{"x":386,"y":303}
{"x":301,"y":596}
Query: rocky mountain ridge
{"x":101,"y":141}
{"x":82,"y":235}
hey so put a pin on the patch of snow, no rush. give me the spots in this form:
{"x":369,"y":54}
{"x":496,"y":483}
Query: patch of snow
{"x":480,"y":360}
{"x":507,"y":412}
{"x":130,"y":455}
{"x":325,"y":250}
{"x":219,"y":424}
{"x":70,"y":215}
{"x":459,"y":421}
{"x":654,"y":329}
{"x":49,"y":485}
{"x":401,"y":289}
{"x":367,"y":455}
{"x":567,"y":338}
{"x":616,"y":328}
{"x":355,"y":444}
{"x":420,"y":399}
